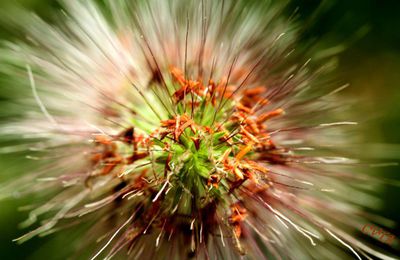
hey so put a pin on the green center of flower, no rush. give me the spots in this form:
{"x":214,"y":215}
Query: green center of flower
{"x":213,"y":143}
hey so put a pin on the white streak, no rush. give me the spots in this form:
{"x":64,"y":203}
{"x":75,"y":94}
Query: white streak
{"x":338,"y":123}
{"x":112,"y":237}
{"x":192,"y":224}
{"x":299,"y":229}
{"x":36,"y":96}
{"x":343,"y":243}
{"x":161,"y":190}
{"x":339,"y":89}
{"x":222,"y":235}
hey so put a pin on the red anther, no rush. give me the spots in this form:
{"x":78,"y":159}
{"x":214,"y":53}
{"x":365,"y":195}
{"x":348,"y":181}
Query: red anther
{"x":277,"y":112}
{"x":188,"y":123}
{"x":168,"y":123}
{"x":208,"y":130}
{"x":179,"y":95}
{"x":243,"y":151}
{"x":110,"y":164}
{"x":103,"y":139}
{"x":253,"y":126}
{"x":237,"y":217}
{"x":249,"y":135}
{"x":254,"y":91}
{"x":178,"y":76}
{"x":95,"y":158}
{"x":243,"y":108}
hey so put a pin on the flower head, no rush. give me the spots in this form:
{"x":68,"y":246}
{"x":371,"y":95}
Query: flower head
{"x":182,"y":128}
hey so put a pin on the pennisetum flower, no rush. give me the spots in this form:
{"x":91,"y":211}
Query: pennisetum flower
{"x":180,"y":129}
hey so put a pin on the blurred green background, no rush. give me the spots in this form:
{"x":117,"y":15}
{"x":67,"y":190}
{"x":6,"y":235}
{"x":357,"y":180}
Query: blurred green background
{"x":364,"y":35}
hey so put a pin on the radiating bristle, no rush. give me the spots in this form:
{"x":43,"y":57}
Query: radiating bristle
{"x":183,"y":129}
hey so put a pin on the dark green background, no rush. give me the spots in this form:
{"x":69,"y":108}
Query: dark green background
{"x":370,"y":62}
